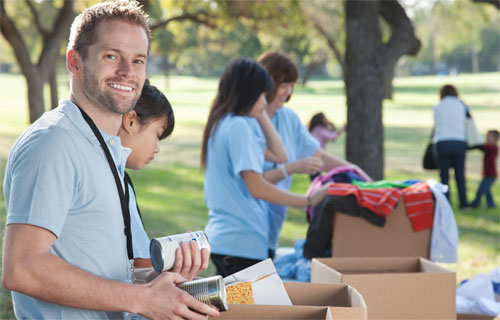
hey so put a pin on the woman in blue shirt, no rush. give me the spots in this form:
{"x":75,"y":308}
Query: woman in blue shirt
{"x":237,"y":139}
{"x":304,"y":152}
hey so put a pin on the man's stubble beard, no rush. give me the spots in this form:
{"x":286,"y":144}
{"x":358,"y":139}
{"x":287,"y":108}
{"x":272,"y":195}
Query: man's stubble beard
{"x":105,"y":99}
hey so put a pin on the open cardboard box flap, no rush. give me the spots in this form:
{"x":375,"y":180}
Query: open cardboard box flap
{"x":393,"y":288}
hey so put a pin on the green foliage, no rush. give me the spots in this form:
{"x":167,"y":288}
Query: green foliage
{"x":451,"y":30}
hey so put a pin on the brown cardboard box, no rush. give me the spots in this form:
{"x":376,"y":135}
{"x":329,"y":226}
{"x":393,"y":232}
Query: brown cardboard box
{"x":310,"y":301}
{"x":356,"y":237}
{"x":394,"y":288}
{"x":466,"y":316}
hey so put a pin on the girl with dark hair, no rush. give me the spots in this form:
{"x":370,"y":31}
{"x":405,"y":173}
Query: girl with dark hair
{"x":304,"y":152}
{"x":450,"y":139}
{"x":152,"y":120}
{"x":238,"y":137}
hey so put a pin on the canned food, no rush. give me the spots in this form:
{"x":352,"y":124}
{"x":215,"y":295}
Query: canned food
{"x":211,"y":291}
{"x":162,"y":250}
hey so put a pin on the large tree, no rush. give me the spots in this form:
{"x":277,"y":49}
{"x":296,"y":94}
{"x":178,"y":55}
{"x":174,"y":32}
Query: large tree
{"x":370,"y":63}
{"x":43,"y":70}
{"x":377,"y":34}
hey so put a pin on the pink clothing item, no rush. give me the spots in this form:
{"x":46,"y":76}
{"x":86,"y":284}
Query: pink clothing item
{"x":322,"y":179}
{"x":323,"y":135}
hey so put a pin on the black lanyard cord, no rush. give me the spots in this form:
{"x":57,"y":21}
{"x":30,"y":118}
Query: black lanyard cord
{"x":129,"y":182}
{"x":124,"y":196}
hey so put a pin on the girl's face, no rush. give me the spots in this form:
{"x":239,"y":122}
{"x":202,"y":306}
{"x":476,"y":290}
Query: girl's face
{"x":144,"y":140}
{"x":259,"y":106}
{"x":283,"y":93}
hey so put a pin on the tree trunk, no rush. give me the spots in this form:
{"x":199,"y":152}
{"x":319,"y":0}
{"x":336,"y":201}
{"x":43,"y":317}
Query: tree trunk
{"x":364,"y":144}
{"x":35,"y":97}
{"x":37,"y":75}
{"x":54,"y":96}
{"x":474,"y":58}
{"x":368,"y":78}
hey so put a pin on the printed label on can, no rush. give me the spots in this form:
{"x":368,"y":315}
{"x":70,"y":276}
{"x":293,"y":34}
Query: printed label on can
{"x":162,"y":250}
{"x":199,"y":236}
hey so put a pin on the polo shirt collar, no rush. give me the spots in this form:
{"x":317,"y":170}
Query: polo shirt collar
{"x":118,"y":152}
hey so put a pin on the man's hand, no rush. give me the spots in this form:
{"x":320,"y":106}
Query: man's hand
{"x":309,"y":165}
{"x":190,"y":260}
{"x":165,"y":301}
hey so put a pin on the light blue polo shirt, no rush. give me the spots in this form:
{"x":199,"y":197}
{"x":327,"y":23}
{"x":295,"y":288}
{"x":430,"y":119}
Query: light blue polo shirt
{"x":238,"y":224}
{"x":57,"y":177}
{"x":299,"y":144}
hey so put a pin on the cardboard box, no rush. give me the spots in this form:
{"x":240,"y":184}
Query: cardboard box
{"x":356,"y":237}
{"x":310,"y":301}
{"x":466,"y":316}
{"x":394,"y":288}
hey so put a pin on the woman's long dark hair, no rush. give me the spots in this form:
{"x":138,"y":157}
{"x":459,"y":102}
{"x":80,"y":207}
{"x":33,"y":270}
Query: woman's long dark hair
{"x":153,"y":105}
{"x":240,"y":86}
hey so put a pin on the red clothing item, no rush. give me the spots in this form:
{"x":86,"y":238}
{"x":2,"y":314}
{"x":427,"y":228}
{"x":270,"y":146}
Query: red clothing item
{"x":419,"y":204}
{"x":381,"y":201}
{"x":489,"y":160}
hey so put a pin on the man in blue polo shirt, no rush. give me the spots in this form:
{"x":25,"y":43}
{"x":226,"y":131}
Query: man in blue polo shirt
{"x":65,"y":252}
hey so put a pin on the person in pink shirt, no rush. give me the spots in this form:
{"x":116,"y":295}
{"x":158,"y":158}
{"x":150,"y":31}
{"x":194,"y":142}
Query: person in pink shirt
{"x":323,"y":130}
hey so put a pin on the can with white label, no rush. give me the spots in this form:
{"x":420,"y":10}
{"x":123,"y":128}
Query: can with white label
{"x":162,"y":250}
{"x":211,"y":291}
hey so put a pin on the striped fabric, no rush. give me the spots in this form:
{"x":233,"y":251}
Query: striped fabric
{"x":417,"y":198}
{"x":419,"y":205}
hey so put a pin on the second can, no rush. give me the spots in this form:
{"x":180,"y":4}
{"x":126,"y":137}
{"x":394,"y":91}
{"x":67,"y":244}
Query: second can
{"x":162,"y":250}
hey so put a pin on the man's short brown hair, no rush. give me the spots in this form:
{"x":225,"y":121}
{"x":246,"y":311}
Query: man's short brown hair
{"x":85,"y":26}
{"x":281,"y":68}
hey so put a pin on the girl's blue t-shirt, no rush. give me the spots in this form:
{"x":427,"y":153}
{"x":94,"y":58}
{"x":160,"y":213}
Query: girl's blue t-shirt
{"x":238,"y":223}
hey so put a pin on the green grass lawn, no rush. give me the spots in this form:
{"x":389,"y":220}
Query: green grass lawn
{"x":170,"y":189}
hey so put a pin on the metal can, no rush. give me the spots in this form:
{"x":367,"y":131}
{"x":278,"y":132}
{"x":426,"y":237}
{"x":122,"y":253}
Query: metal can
{"x":162,"y":250}
{"x":211,"y":291}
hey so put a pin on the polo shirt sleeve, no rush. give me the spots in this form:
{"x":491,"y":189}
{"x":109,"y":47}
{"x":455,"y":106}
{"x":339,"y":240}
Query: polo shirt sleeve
{"x":43,"y":180}
{"x":306,"y":144}
{"x":246,"y":147}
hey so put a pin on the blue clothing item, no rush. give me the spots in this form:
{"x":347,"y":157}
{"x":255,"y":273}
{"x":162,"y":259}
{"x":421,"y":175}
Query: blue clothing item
{"x":485,"y":189}
{"x":238,"y":223}
{"x":444,"y":236}
{"x":140,"y":239}
{"x":299,"y":144}
{"x":451,"y":154}
{"x":411,"y":181}
{"x":294,"y":266}
{"x":57,"y":178}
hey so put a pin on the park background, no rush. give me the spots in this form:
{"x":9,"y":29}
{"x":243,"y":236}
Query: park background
{"x":460,"y":44}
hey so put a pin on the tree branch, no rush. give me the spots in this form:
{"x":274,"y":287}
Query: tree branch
{"x":36,"y":17}
{"x":332,"y":45}
{"x":402,"y":41}
{"x":53,"y":40}
{"x":13,"y":36}
{"x":199,"y":17}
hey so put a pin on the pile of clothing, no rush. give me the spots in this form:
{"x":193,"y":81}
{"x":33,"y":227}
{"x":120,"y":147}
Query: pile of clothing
{"x":425,"y":204}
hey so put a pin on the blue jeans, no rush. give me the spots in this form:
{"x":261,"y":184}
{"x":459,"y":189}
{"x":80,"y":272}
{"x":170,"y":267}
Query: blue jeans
{"x":485,"y":189}
{"x":451,"y":154}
